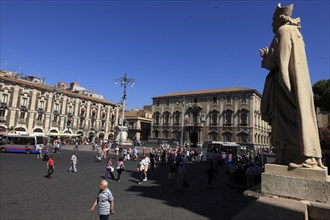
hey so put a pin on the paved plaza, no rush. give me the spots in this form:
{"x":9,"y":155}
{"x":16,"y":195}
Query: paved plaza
{"x":26,"y":194}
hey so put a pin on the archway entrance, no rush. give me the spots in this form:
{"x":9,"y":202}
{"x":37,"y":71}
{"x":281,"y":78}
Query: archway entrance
{"x":20,"y":130}
{"x":101,"y":136}
{"x":80,"y":133}
{"x":37,"y":130}
{"x":53,"y":131}
{"x":111,"y":136}
{"x":194,"y":138}
{"x":3,"y":130}
{"x":91,"y":136}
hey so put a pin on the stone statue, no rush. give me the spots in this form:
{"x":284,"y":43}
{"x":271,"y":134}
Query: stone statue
{"x":287,"y":101}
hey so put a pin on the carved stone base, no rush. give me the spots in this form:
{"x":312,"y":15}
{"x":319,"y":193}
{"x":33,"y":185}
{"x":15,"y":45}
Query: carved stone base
{"x":311,"y":184}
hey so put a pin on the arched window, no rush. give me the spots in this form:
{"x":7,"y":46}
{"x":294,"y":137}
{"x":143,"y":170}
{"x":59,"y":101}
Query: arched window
{"x":214,"y":118}
{"x":156,"y":133}
{"x":176,"y":118}
{"x":166,"y":118}
{"x":243,"y":117}
{"x":156,"y":117}
{"x":243,"y":137}
{"x":227,"y":137}
{"x":228,"y":115}
{"x":176,"y":135}
{"x":20,"y":129}
{"x":37,"y":130}
{"x":214,"y":136}
{"x":165,"y":134}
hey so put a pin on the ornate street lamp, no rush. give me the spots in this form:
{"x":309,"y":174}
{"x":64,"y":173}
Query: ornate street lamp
{"x":124,"y":81}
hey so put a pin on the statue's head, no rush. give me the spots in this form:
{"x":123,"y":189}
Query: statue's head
{"x":281,"y":16}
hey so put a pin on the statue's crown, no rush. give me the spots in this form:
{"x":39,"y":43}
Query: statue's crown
{"x":286,"y":10}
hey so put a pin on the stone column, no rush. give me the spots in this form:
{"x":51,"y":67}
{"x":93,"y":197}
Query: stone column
{"x":32,"y":112}
{"x":48,"y":112}
{"x":76,"y":112}
{"x":138,"y":135}
{"x":63,"y":115}
{"x":13,"y":108}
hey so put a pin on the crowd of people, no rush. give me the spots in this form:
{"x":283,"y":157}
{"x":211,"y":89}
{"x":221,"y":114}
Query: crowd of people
{"x":243,"y":172}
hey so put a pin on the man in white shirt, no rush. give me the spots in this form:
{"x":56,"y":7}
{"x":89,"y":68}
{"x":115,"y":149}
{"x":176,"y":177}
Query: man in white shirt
{"x":74,"y":160}
{"x":146,"y":164}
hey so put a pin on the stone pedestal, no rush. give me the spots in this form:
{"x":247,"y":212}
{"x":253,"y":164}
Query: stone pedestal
{"x":122,"y":136}
{"x":310,"y":184}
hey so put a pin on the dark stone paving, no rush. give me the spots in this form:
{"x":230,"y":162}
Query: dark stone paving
{"x":26,"y":194}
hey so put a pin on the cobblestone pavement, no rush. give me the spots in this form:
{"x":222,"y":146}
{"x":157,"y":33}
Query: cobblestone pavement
{"x":26,"y":194}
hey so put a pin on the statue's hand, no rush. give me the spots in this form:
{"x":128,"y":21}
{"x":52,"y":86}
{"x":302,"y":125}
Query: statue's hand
{"x":263,"y":51}
{"x":267,"y":60}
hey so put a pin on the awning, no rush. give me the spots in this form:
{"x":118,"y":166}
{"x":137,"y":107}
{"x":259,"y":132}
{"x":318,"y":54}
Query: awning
{"x":20,"y":132}
{"x":38,"y":133}
{"x":66,"y":135}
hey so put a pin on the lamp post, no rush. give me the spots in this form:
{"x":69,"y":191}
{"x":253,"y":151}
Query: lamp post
{"x":124,"y":81}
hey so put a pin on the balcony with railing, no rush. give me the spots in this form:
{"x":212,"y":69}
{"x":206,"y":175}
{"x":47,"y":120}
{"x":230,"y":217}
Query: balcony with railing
{"x":166,"y":123}
{"x":3,"y":105}
{"x":40,"y":110}
{"x":2,"y":119}
{"x":55,"y":124}
{"x":23,"y":108}
{"x":39,"y":122}
{"x":243,"y":124}
{"x":21,"y":121}
{"x":176,"y":123}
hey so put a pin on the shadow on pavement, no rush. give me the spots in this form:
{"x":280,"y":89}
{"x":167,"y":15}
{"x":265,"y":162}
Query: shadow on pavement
{"x":220,"y":202}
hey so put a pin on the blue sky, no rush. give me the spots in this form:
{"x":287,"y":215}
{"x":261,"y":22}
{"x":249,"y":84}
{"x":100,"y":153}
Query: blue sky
{"x":166,"y":46}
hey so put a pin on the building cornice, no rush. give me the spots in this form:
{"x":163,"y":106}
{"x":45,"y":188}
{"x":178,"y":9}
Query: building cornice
{"x":10,"y":80}
{"x":222,"y":91}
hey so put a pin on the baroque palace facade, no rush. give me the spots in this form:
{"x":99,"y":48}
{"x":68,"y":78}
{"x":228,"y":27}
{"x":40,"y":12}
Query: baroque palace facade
{"x":139,"y":124}
{"x":27,"y":106}
{"x":228,"y":115}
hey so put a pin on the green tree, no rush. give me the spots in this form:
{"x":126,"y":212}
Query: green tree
{"x":321,"y":91}
{"x":325,"y":138}
{"x":11,"y":129}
